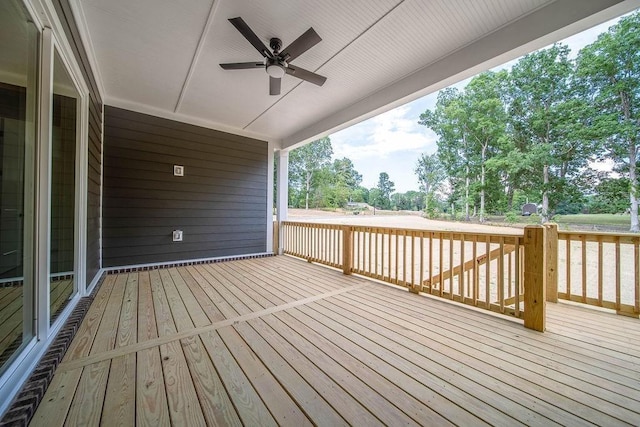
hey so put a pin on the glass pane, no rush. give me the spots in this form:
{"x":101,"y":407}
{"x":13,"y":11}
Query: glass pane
{"x":63,"y":200}
{"x":18,"y":68}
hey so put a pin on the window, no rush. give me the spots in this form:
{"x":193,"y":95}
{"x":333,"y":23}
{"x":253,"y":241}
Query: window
{"x":64,"y":124}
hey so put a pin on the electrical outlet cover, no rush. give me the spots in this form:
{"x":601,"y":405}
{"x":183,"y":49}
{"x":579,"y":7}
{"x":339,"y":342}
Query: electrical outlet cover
{"x":177,"y":235}
{"x":178,"y":170}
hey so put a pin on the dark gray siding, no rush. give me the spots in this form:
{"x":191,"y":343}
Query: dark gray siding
{"x":220,"y":203}
{"x":95,"y":139}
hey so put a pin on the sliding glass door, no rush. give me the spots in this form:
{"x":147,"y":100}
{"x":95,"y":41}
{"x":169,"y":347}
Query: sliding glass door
{"x":18,"y":95}
{"x":64,"y":124}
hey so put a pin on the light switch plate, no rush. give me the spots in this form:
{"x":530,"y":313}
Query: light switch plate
{"x":178,"y":170}
{"x":177,"y":235}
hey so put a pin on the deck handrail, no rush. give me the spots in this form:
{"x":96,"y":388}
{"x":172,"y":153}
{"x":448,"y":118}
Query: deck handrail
{"x":482,"y":269}
{"x":600,"y":269}
{"x":410,"y":257}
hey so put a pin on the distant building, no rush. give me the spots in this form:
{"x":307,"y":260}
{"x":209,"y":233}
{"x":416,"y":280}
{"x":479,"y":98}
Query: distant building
{"x":357,"y":205}
{"x":529,"y":209}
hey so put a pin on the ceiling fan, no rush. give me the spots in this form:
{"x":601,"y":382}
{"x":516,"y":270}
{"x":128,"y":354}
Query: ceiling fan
{"x":277,"y":64}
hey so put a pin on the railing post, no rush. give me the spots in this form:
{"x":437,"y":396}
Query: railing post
{"x":276,"y":237}
{"x":535,"y":277}
{"x":551,"y":241}
{"x":346,"y":249}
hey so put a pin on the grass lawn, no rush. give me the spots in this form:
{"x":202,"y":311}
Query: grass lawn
{"x":594,"y":219}
{"x":587,"y":222}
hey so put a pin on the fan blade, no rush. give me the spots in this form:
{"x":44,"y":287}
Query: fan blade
{"x":242,"y":65}
{"x":303,"y":74}
{"x":251,"y":36}
{"x":300,"y":45}
{"x":274,"y":85}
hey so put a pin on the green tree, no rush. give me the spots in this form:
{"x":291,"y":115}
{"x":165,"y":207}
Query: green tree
{"x":485,"y":124}
{"x":360,"y":195}
{"x":540,"y":118}
{"x":345,"y":174}
{"x":386,"y":187}
{"x":417,"y":200}
{"x":611,"y":196}
{"x":305,"y":163}
{"x":447,"y":120}
{"x":431,"y":175}
{"x":375,"y":198}
{"x":471,"y":126}
{"x":610,"y":69}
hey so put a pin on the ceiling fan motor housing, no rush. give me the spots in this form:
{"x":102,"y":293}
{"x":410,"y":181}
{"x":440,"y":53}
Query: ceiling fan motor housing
{"x":275,"y":44}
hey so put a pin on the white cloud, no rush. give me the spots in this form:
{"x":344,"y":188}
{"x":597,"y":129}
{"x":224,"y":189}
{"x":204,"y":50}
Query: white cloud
{"x":388,"y":133}
{"x":605,"y":165}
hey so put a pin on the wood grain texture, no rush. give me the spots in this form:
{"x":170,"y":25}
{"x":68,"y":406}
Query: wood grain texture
{"x":107,"y":332}
{"x":120,"y":398}
{"x":147,"y":328}
{"x":214,"y":400}
{"x":344,"y":404}
{"x":56,"y":402}
{"x":534,"y":278}
{"x":128,"y":324}
{"x":216,"y":405}
{"x":247,"y":401}
{"x":283,"y":409}
{"x":152,"y":408}
{"x":86,"y":409}
{"x":184,"y":406}
{"x":315,"y":406}
{"x":280,"y":341}
{"x":81,"y":344}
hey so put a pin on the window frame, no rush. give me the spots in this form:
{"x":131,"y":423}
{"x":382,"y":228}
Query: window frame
{"x":51,"y":39}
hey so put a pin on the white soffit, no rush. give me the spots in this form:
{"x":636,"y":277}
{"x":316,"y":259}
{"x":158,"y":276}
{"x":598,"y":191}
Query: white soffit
{"x":162,"y":57}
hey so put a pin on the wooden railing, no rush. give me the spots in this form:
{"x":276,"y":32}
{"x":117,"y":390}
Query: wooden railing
{"x":321,"y":243}
{"x":600,"y":269}
{"x":507,"y":273}
{"x":479,"y":269}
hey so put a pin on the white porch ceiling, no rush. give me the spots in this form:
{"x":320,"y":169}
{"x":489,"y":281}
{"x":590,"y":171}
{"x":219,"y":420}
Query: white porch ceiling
{"x":161,"y":56}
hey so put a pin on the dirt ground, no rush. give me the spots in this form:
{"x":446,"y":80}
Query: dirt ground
{"x":413,"y":220}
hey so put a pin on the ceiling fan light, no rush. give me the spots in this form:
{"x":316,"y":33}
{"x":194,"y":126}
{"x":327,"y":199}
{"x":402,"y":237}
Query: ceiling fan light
{"x":276,"y":70}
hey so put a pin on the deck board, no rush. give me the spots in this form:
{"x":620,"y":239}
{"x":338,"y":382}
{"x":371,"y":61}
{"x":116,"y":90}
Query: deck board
{"x":279,"y":341}
{"x":420,"y":373}
{"x":560,"y":386}
{"x":245,"y":398}
{"x":342,"y":403}
{"x":151,"y":399}
{"x":119,"y":401}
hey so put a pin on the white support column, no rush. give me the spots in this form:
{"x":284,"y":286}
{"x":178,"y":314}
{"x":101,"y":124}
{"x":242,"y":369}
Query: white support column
{"x":270,"y":164}
{"x":283,"y":194}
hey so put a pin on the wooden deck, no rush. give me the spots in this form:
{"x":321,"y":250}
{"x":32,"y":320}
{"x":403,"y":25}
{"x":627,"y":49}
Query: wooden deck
{"x":281,"y":341}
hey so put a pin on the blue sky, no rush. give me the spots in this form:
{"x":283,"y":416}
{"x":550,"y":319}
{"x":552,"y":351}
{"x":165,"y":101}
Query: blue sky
{"x":392,"y":142}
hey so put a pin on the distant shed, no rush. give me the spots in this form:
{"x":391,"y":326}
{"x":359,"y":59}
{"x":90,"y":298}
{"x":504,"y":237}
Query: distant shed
{"x":529,"y":209}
